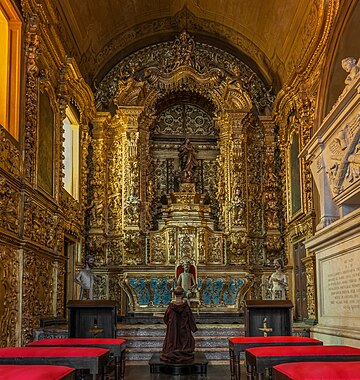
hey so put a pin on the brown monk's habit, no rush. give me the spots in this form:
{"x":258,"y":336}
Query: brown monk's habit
{"x":179,"y":343}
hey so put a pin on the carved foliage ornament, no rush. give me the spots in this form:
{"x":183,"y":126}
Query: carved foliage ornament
{"x":38,"y":292}
{"x":9,"y":295}
{"x":9,"y":155}
{"x":32,"y":55}
{"x":9,"y":206}
{"x":153,"y":67}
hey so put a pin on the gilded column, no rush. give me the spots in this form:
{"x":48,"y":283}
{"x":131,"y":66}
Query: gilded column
{"x":237,"y":191}
{"x":133,"y":241}
{"x":96,"y":202}
{"x":310,"y":266}
{"x":272,"y":194}
{"x":32,"y":52}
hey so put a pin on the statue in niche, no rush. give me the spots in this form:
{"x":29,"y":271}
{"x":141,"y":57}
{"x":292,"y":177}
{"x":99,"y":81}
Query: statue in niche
{"x":271,"y":210}
{"x":352,"y":67}
{"x":86,"y":279}
{"x":179,"y":343}
{"x":278,"y":282}
{"x":188,"y":161}
{"x":96,"y":208}
{"x":238,"y":205}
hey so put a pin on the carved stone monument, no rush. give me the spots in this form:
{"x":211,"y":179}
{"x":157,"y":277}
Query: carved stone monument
{"x":334,"y":156}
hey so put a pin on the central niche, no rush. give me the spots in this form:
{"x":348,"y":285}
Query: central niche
{"x":173,"y":125}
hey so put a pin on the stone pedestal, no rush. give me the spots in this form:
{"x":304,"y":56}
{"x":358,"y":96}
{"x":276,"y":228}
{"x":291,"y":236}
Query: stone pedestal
{"x":197,"y":367}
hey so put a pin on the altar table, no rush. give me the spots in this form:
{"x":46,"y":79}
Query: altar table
{"x":84,"y":358}
{"x":260,"y":358}
{"x":116,"y":346}
{"x":36,"y":372}
{"x":237,"y":345}
{"x":317,"y":371}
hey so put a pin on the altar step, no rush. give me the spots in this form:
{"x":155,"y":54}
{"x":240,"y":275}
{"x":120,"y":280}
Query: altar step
{"x":210,"y":339}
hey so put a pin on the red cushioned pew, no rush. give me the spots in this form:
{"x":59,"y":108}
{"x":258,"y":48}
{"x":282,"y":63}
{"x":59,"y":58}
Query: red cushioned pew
{"x":317,"y":371}
{"x":237,"y":345}
{"x":115,"y":346}
{"x":36,"y":372}
{"x":83,"y":358}
{"x":260,"y":358}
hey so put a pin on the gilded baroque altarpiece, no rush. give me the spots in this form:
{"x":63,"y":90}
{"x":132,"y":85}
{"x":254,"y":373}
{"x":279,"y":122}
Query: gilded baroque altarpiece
{"x":144,"y":219}
{"x":134,"y":213}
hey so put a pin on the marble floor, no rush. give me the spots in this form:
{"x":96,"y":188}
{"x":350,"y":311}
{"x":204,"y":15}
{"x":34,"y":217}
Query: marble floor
{"x":142,"y":372}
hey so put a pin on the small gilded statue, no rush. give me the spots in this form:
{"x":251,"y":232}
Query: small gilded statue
{"x":86,"y":279}
{"x":278,"y":282}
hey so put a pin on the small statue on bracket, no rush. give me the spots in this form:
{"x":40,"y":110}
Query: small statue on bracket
{"x":278,"y":282}
{"x":86,"y":279}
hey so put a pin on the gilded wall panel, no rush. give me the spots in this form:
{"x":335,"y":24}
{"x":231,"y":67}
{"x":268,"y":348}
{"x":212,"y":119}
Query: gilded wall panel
{"x":114,"y":190}
{"x":238,"y":248}
{"x":9,"y":155}
{"x":133,"y":248}
{"x":101,"y":287}
{"x":97,"y":248}
{"x":38,"y":292}
{"x":9,"y":296}
{"x":9,"y":206}
{"x":115,"y":287}
{"x":73,"y":216}
{"x":60,"y":273}
{"x":114,"y":255}
{"x":40,"y":224}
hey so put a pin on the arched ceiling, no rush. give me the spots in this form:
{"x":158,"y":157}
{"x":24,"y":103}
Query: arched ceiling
{"x":271,"y":36}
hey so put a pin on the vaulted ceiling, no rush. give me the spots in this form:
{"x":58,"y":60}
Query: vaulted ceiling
{"x":273,"y":37}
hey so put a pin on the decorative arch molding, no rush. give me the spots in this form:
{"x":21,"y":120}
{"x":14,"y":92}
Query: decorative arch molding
{"x":183,"y":65}
{"x":143,"y":35}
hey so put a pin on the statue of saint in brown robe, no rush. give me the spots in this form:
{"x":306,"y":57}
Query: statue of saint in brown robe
{"x":179,"y":343}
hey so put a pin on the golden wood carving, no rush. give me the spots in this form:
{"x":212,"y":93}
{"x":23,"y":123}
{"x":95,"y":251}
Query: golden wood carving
{"x":310,"y":265}
{"x":38,"y":292}
{"x":9,"y":296}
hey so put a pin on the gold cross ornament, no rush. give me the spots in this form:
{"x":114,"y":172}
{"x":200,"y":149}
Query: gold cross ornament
{"x":265,"y":329}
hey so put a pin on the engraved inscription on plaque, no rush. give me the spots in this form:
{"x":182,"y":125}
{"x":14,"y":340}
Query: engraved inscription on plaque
{"x":341,"y":285}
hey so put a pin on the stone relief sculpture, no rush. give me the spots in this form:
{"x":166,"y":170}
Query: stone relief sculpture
{"x":352,"y":67}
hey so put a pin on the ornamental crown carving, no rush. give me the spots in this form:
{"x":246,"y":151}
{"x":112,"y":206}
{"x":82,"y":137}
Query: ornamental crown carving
{"x":183,"y":65}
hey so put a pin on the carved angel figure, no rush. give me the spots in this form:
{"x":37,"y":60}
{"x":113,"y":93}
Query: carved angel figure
{"x":352,"y":67}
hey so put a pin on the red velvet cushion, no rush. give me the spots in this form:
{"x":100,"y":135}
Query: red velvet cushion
{"x":76,"y":342}
{"x":304,"y":351}
{"x":320,"y":370}
{"x":33,"y":372}
{"x":272,"y":339}
{"x":59,"y":352}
